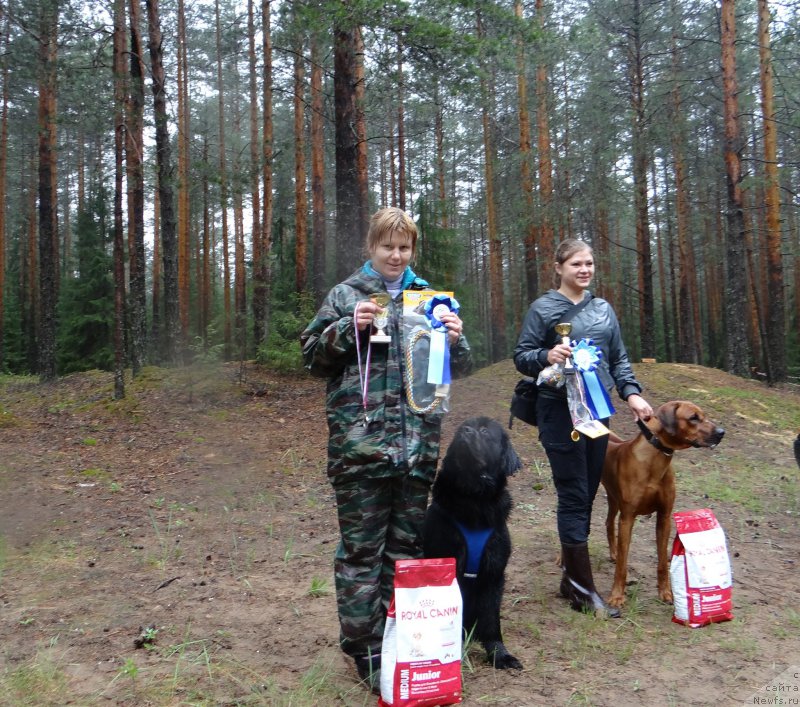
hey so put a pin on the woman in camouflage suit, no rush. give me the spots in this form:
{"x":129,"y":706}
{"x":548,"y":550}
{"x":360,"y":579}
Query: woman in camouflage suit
{"x":382,"y":456}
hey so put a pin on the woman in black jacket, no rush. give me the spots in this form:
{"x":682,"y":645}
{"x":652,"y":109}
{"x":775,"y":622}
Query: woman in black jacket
{"x":576,"y":465}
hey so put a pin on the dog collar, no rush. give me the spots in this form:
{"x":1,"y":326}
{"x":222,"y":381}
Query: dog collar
{"x":655,"y":441}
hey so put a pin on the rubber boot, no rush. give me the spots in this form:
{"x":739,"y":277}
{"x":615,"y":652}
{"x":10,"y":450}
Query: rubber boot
{"x":369,"y":670}
{"x":577,"y":583}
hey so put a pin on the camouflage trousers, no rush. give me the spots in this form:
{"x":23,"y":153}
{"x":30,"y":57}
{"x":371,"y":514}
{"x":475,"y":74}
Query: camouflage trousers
{"x":380,"y":521}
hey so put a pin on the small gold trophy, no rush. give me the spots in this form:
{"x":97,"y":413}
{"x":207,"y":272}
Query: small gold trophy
{"x":563,"y":329}
{"x":382,"y":299}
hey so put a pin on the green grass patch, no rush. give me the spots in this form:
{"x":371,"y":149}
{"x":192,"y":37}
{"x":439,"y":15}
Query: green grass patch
{"x":96,"y":474}
{"x":319,"y":587}
{"x":38,"y":682}
{"x":755,"y":487}
{"x":7,"y":419}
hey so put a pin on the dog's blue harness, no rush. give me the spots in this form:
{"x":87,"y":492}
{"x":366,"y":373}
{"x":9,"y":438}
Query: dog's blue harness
{"x":476,"y":543}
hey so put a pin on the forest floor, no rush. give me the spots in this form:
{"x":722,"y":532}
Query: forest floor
{"x":175,"y":548}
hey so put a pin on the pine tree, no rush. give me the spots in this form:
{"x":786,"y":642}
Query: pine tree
{"x":48,"y":222}
{"x":87,"y":302}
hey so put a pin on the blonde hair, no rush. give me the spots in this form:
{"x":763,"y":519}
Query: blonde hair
{"x":386,"y":221}
{"x":565,"y":250}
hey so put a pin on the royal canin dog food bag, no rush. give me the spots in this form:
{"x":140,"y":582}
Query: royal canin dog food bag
{"x":421,"y":655}
{"x":700,"y":570}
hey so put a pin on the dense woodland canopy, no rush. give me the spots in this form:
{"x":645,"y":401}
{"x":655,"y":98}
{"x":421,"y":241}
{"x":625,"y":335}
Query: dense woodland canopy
{"x":187,"y":178}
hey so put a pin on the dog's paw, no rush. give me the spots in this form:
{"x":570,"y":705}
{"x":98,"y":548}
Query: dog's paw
{"x":617,"y":600}
{"x":509,"y":662}
{"x":665,"y":595}
{"x":501,"y":659}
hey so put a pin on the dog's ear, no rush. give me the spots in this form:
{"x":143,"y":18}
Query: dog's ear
{"x":511,"y":463}
{"x":668,"y":416}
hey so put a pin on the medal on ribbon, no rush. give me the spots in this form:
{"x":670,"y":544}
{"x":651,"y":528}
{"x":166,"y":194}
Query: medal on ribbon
{"x":586,"y":357}
{"x":439,"y":353}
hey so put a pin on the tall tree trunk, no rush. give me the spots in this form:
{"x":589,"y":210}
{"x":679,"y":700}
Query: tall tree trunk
{"x":239,"y":274}
{"x":184,"y":246}
{"x":401,"y":129}
{"x":319,"y":281}
{"x":714,"y":279}
{"x":300,"y":197}
{"x":383,"y":179}
{"x":119,"y":237}
{"x":197,"y":257}
{"x":672,"y":257}
{"x":776,"y":314}
{"x":348,"y":196}
{"x":795,"y":230}
{"x":361,"y":136}
{"x":498,"y":308}
{"x":688,"y":337}
{"x":602,"y":245}
{"x":546,"y":232}
{"x":566,"y":157}
{"x":3,"y":174}
{"x":526,"y":178}
{"x":169,"y":241}
{"x":441,"y":209}
{"x":134,"y":155}
{"x":81,"y":168}
{"x":263,"y":268}
{"x":66,"y":245}
{"x":29,"y":273}
{"x":757,"y":317}
{"x":392,"y":165}
{"x":718,"y":284}
{"x":239,"y":279}
{"x":735,"y":290}
{"x":205,"y":281}
{"x":157,"y":304}
{"x":662,"y":277}
{"x":48,"y":230}
{"x":645,"y":263}
{"x":255,"y":196}
{"x":223,"y":190}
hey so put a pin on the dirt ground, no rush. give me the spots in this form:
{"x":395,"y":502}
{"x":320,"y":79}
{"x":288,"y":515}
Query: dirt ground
{"x":176,"y":548}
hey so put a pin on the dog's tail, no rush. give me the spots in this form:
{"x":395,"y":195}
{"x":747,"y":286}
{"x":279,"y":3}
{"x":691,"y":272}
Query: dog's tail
{"x":797,"y":449}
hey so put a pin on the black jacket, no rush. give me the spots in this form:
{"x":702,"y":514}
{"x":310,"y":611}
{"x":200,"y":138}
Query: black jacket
{"x":596,"y":321}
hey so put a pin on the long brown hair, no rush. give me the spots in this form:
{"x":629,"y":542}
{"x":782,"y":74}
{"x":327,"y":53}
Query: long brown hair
{"x":565,"y":250}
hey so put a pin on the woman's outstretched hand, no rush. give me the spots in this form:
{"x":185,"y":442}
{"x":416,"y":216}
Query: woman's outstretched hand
{"x":640,"y":407}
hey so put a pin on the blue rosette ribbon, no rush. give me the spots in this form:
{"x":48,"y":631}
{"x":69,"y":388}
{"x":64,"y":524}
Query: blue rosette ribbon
{"x":586,"y":357}
{"x":439,"y":356}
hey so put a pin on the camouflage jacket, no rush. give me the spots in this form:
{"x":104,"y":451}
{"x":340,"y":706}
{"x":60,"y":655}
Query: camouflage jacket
{"x":390,"y":439}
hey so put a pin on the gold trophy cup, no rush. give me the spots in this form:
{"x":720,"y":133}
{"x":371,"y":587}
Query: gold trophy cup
{"x":382,"y":299}
{"x":563,"y":329}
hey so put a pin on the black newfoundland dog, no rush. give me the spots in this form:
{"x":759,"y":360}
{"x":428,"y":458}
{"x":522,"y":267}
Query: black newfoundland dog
{"x":467,"y":520}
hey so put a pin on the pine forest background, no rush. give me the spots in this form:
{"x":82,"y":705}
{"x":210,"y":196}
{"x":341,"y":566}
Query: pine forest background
{"x":183,"y":179}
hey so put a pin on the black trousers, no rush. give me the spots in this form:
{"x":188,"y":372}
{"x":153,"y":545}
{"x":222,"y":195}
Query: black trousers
{"x":576,"y":467}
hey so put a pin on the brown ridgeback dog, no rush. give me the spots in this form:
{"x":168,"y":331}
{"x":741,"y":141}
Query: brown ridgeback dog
{"x":639,"y":480}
